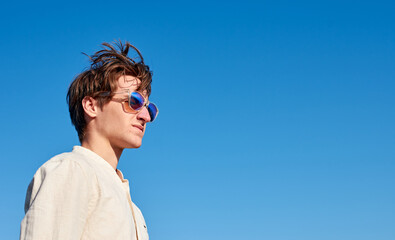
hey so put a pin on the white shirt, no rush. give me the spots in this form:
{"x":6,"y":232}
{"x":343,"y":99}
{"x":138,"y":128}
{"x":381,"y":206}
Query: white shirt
{"x":78,"y":195}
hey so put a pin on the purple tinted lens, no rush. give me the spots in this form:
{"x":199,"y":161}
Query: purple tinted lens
{"x":152,"y":110}
{"x":136,"y":101}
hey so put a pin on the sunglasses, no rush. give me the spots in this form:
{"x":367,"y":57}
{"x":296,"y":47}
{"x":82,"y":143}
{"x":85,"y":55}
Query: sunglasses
{"x":135,"y":103}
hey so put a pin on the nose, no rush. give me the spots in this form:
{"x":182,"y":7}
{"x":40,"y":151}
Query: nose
{"x":144,"y":115}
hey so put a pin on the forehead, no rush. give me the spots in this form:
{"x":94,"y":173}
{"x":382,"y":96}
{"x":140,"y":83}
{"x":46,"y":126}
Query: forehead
{"x":127,"y":82}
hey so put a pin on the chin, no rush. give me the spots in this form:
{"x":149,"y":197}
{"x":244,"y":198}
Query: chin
{"x":135,"y":144}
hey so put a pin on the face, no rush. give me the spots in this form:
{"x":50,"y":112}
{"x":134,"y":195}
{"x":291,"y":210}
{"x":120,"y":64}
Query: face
{"x":122,"y":129}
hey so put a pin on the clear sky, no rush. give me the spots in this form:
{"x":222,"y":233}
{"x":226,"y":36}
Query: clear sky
{"x":276,"y":117}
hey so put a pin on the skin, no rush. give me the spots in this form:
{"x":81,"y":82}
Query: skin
{"x":111,"y":129}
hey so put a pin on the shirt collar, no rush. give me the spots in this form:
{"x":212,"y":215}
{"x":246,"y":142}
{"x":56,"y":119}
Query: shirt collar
{"x":94,"y":156}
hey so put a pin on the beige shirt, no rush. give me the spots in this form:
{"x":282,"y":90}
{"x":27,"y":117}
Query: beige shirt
{"x":78,"y":195}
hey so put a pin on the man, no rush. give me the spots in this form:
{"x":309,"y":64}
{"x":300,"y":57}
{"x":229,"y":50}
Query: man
{"x":81,"y":194}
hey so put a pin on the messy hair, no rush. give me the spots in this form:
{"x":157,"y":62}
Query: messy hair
{"x":107,"y":66}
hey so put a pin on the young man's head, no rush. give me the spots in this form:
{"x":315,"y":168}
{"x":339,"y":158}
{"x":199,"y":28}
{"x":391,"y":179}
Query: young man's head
{"x":110,"y":99}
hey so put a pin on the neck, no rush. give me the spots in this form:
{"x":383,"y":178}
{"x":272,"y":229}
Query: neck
{"x":104,"y":149}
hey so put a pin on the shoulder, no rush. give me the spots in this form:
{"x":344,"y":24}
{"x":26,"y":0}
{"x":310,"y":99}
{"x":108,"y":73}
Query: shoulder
{"x":64,"y":175}
{"x":65,"y":166}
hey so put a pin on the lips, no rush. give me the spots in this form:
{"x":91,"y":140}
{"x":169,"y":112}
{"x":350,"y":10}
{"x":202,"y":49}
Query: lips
{"x":141,"y":128}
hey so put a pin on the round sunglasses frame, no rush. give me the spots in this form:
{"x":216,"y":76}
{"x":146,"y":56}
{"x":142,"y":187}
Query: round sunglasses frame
{"x":127,"y":103}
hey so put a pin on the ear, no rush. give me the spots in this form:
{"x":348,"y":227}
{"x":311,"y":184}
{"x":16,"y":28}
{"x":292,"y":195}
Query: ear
{"x":90,"y":106}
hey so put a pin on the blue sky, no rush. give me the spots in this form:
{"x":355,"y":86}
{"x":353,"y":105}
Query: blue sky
{"x":276,"y":117}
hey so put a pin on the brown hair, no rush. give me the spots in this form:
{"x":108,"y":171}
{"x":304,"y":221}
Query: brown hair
{"x":107,"y":65}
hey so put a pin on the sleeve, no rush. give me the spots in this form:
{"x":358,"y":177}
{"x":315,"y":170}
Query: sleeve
{"x":58,"y":202}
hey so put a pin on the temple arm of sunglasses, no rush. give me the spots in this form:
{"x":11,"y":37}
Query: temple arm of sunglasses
{"x":105,"y":94}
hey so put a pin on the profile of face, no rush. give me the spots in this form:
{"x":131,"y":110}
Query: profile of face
{"x":120,"y":126}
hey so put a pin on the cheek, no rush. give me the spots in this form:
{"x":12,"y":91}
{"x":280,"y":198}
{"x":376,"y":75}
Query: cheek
{"x":112,"y":119}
